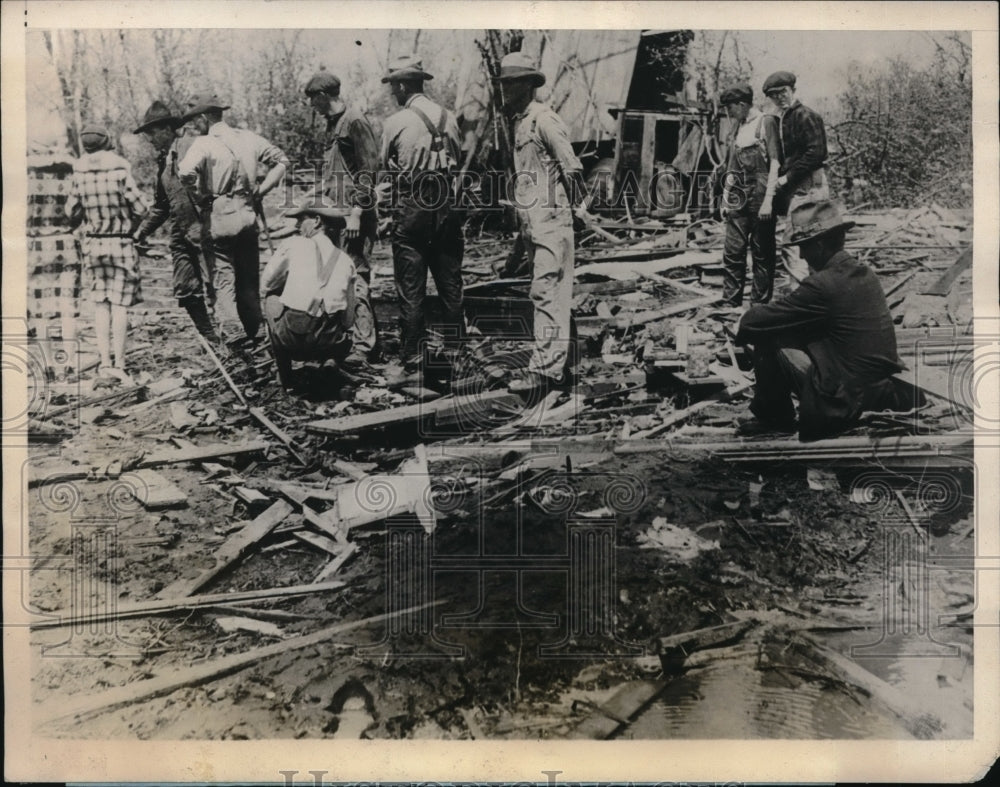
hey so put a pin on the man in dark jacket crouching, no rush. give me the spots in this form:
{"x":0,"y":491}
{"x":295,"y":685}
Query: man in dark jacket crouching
{"x":831,"y":342}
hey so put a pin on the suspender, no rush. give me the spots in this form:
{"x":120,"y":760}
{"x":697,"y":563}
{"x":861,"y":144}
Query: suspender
{"x":438,"y":142}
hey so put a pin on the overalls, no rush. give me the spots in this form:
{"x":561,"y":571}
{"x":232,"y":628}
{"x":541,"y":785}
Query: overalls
{"x":748,"y":169}
{"x":547,"y":229}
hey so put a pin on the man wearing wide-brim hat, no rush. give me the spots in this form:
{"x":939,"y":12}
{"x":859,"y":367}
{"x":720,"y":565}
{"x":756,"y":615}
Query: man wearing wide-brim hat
{"x":228,"y":170}
{"x":802,"y":175}
{"x":421,"y":148}
{"x":193,"y":284}
{"x":308,"y":288}
{"x":349,"y":171}
{"x":831,"y":342}
{"x":548,"y":186}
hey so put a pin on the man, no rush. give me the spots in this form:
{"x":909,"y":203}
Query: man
{"x":221,"y":169}
{"x":309,"y":291}
{"x":192,"y":276}
{"x":802,"y":176}
{"x":748,"y":196}
{"x":548,"y":184}
{"x":420,"y":147}
{"x":349,"y":171}
{"x":106,"y":203}
{"x":830,"y":342}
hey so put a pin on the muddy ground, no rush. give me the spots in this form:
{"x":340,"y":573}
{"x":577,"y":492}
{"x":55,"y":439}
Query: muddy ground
{"x":513,"y":649}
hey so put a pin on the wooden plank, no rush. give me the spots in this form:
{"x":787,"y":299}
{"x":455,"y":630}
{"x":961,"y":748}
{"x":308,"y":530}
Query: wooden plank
{"x":623,"y":705}
{"x":944,"y":284}
{"x":141,"y":609}
{"x":632,"y":319}
{"x":154,"y":491}
{"x":232,"y":550}
{"x":682,"y":415}
{"x":331,"y":568}
{"x":89,"y":401}
{"x":166,"y":458}
{"x":921,"y":722}
{"x":673,"y":650}
{"x":140,"y":690}
{"x":444,"y":406}
{"x":323,"y":543}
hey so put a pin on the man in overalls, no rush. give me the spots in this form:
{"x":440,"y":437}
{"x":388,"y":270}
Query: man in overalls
{"x":802,"y":176}
{"x":347,"y":180}
{"x":747,"y":199}
{"x":420,"y":148}
{"x":190,"y":251}
{"x":548,"y":183}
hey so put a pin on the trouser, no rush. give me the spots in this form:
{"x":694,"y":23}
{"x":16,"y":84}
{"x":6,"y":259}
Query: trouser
{"x":824,"y":410}
{"x":426,"y":240}
{"x":746,"y":230}
{"x":302,"y":337}
{"x":237,"y":282}
{"x":550,"y":249}
{"x":193,"y":279}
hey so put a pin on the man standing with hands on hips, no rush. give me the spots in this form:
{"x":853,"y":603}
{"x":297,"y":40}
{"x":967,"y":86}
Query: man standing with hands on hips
{"x":548,"y":186}
{"x":220,"y":169}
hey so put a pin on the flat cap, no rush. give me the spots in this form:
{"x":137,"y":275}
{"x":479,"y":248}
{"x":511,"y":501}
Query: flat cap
{"x":779,"y":79}
{"x":739,"y":94}
{"x":323,"y":82}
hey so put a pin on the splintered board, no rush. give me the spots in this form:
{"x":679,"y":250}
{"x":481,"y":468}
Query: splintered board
{"x":154,"y":491}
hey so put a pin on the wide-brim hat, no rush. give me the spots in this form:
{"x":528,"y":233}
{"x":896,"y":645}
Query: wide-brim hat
{"x":812,"y":220}
{"x":407,"y":67}
{"x":158,"y":114}
{"x":516,"y":65}
{"x":203,"y":101}
{"x":335,"y":216}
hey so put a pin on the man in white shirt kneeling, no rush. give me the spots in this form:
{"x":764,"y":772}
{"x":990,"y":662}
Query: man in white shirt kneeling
{"x":308,"y":291}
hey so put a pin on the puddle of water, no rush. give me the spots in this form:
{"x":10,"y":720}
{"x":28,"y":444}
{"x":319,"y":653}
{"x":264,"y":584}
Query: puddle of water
{"x":733,"y":699}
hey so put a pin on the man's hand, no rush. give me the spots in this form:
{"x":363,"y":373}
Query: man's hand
{"x":384,"y":227}
{"x":353,"y":228}
{"x":382,"y":191}
{"x":766,"y":209}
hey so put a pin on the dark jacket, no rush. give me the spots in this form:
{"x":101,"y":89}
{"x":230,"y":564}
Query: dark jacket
{"x":840,"y":317}
{"x":171,"y":199}
{"x":803,"y":144}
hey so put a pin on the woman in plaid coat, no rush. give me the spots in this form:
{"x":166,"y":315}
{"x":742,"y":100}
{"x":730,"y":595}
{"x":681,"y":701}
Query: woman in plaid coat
{"x":105,"y":201}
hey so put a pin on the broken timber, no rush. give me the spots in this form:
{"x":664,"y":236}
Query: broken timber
{"x":154,"y":491}
{"x":167,"y":458}
{"x":232,"y":550}
{"x":954,"y":446}
{"x":623,"y":705}
{"x":140,"y":690}
{"x":445,"y":407}
{"x":255,"y":412}
{"x":673,"y":650}
{"x":169,"y":606}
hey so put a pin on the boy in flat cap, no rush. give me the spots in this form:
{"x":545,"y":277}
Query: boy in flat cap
{"x":831,"y":342}
{"x":802,"y":175}
{"x":347,"y":181}
{"x":221,"y":169}
{"x":309,"y":290}
{"x":105,"y":202}
{"x":421,"y":147}
{"x":748,"y":196}
{"x":192,"y":277}
{"x":548,"y":186}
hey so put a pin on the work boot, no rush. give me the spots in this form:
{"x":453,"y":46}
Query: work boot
{"x":408,"y":375}
{"x":198,"y":312}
